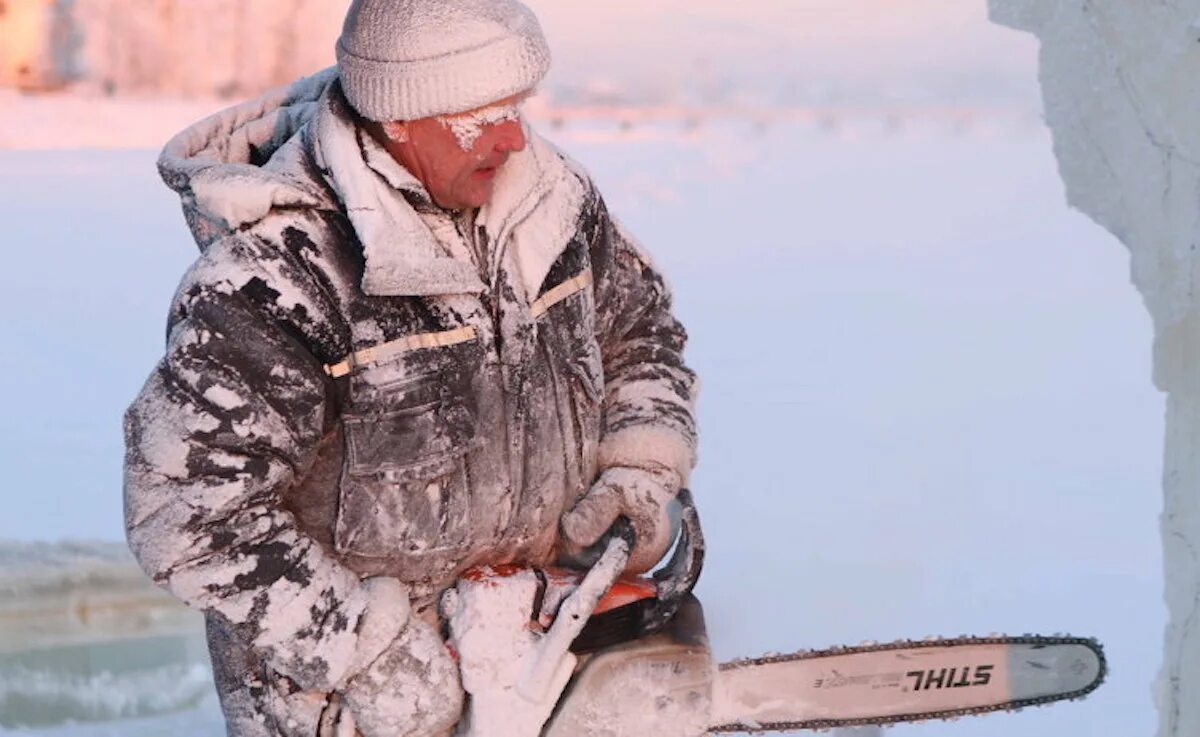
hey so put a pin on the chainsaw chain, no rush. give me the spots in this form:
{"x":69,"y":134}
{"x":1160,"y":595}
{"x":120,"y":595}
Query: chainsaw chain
{"x":945,"y":714}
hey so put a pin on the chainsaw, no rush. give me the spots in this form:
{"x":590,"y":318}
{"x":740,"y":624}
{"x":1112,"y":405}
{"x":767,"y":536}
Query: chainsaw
{"x":565,"y":653}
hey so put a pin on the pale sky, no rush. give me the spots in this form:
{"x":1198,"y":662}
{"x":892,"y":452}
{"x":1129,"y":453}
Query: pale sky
{"x":858,"y":48}
{"x":893,"y":44}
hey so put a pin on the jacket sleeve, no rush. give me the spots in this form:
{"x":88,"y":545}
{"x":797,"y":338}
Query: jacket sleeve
{"x":649,"y":392}
{"x":228,"y":419}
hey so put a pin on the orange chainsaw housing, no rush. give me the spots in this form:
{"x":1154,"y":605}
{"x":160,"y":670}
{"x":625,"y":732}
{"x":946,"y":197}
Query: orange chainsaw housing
{"x":625,"y":591}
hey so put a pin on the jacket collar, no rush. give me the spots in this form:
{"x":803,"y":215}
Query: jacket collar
{"x":403,"y":258}
{"x":531,"y":218}
{"x":534,"y":211}
{"x":216,"y":164}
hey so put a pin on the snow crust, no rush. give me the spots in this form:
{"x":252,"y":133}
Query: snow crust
{"x":19,"y":561}
{"x":85,"y":636}
{"x":1120,"y":93}
{"x":36,"y":697}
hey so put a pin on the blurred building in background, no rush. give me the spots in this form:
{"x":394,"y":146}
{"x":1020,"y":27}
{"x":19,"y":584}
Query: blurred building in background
{"x":39,"y":44}
{"x":172,"y":47}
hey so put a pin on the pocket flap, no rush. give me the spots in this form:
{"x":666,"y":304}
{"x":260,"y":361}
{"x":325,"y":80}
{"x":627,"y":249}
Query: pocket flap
{"x":410,"y":443}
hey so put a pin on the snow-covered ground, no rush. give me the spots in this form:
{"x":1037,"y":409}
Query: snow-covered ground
{"x":926,"y":404}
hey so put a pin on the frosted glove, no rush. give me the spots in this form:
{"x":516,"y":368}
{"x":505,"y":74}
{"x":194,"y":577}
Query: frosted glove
{"x":641,"y":495}
{"x":412,"y":689}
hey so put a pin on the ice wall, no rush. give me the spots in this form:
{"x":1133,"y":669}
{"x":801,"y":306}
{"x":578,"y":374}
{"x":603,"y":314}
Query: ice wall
{"x":1122,"y":99}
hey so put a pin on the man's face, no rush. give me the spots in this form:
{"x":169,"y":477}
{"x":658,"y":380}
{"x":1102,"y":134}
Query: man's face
{"x":457,"y":157}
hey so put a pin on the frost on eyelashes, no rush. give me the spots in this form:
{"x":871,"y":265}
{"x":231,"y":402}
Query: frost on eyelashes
{"x":468,"y":127}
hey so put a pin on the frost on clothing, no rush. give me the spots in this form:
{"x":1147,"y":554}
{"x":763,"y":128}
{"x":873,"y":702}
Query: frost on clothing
{"x":347,"y":394}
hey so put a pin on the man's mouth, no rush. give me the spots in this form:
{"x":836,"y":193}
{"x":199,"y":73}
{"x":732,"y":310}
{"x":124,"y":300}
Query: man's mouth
{"x":489,"y":171}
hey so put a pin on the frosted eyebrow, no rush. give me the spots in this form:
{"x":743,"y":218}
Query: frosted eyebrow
{"x":468,"y":127}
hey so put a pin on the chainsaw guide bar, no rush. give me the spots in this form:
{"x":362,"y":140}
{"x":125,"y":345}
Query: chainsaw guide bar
{"x":909,"y":681}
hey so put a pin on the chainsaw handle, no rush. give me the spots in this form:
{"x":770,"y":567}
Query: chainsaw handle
{"x":622,"y":529}
{"x":554,"y":651}
{"x":673,"y":584}
{"x":678,"y":577}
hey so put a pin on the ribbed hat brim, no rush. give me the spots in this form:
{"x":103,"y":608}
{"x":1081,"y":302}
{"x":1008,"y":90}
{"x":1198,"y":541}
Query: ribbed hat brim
{"x":454,"y":83}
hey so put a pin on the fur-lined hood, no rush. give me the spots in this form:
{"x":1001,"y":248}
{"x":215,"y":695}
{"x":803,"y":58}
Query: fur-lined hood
{"x":299,"y":147}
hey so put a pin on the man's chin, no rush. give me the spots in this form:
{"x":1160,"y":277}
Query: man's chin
{"x":480,"y":195}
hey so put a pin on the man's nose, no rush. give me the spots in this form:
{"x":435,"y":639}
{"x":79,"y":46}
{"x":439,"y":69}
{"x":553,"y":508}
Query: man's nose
{"x":509,"y":136}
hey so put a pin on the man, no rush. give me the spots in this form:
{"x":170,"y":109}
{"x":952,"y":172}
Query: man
{"x":415,"y":342}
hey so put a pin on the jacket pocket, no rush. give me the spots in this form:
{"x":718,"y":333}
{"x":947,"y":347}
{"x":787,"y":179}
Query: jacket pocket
{"x":405,"y":489}
{"x":399,"y":442}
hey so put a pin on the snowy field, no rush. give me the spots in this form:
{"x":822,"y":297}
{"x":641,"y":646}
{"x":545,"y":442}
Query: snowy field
{"x":926,"y":405}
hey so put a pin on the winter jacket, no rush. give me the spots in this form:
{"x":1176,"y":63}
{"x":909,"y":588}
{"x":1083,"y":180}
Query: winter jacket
{"x":359,"y":384}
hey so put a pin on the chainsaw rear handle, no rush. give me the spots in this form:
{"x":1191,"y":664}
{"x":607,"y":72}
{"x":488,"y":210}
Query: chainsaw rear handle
{"x":672,"y":585}
{"x":678,"y":577}
{"x":554,"y":660}
{"x":622,"y":528}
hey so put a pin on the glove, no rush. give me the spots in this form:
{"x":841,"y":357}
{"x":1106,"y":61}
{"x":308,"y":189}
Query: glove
{"x":640,"y":494}
{"x":411,"y":690}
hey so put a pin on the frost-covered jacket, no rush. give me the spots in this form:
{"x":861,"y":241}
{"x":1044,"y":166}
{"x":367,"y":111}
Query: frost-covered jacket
{"x":358,"y":384}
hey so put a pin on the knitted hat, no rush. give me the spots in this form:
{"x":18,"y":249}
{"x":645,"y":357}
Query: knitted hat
{"x":410,"y":59}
